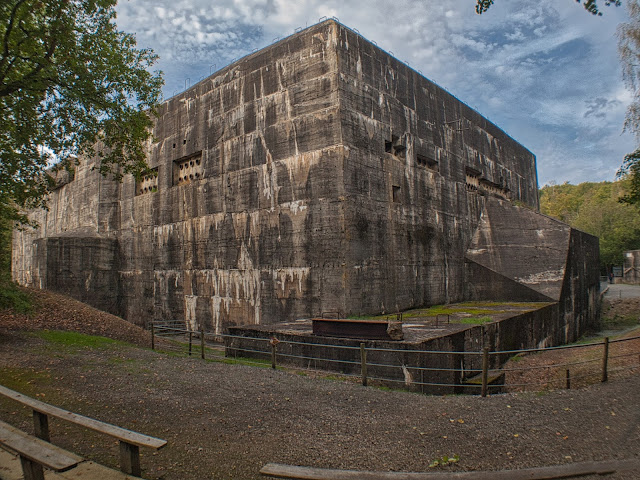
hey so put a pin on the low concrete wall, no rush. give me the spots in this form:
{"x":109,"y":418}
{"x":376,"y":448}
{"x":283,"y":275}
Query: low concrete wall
{"x":398,"y":363}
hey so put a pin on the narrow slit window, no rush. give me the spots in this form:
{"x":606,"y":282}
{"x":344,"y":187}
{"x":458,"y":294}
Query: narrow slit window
{"x":395,"y":192}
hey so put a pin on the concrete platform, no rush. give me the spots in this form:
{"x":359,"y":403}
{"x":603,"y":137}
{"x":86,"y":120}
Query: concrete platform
{"x":437,"y":354}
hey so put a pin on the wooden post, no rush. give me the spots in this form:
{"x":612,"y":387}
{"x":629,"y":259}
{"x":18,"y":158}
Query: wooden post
{"x":273,"y":355}
{"x":130,"y":459}
{"x":31,"y":470}
{"x":605,"y":359}
{"x":363,"y":364}
{"x":568,"y":379}
{"x":485,"y":370}
{"x":202,"y":341}
{"x":41,"y":425}
{"x":153,"y":336}
{"x":274,"y":348}
{"x":190,"y":341}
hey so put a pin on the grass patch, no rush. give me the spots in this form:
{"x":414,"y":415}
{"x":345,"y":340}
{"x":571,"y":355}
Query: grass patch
{"x":473,"y":320}
{"x":619,"y":322}
{"x":476,"y":309}
{"x":251,"y":362}
{"x":24,"y":380}
{"x":71,"y":342}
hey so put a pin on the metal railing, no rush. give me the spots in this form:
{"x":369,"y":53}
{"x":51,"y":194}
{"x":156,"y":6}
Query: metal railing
{"x":444,"y":370}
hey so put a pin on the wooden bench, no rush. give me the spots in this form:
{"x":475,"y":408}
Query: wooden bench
{"x":35,"y":453}
{"x":568,"y":470}
{"x":130,"y":441}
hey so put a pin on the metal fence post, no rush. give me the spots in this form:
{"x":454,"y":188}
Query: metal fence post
{"x":363,"y":364}
{"x":153,"y":336}
{"x":485,"y":370}
{"x":568,"y":379}
{"x":190,"y":341}
{"x":605,"y":359}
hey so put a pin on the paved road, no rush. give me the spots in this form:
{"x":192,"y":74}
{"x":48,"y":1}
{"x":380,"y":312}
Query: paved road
{"x":618,"y":290}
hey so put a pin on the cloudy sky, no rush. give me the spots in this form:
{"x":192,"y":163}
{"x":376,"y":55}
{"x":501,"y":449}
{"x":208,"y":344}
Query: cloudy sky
{"x":547,"y":74}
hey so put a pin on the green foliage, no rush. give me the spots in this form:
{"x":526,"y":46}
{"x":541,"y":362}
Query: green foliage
{"x":589,"y":5}
{"x":11,"y":296}
{"x":71,"y":84}
{"x":483,"y":5}
{"x":595,"y":208}
{"x":444,"y":460}
{"x":629,"y":51}
{"x":631,"y":169}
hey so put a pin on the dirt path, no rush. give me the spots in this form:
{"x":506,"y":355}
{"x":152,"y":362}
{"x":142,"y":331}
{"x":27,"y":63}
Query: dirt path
{"x":227,"y":421}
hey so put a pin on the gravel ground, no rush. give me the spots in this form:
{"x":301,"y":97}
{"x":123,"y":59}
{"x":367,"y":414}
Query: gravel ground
{"x":227,"y":421}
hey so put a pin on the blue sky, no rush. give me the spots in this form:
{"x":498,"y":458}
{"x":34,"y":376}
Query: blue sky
{"x":548,"y":74}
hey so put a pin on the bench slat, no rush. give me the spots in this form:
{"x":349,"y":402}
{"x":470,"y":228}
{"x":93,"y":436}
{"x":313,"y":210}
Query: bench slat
{"x":36,"y":450}
{"x":129,"y":436}
{"x":539,"y":473}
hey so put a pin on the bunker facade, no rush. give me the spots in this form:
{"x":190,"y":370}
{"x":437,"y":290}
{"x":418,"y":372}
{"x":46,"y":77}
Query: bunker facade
{"x":319,"y":174}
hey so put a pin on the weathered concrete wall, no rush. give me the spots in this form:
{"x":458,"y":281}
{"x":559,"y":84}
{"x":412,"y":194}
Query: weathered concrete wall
{"x":318,"y":174}
{"x":521,"y":255}
{"x":84,"y":268}
{"x":84,"y":208}
{"x":521,"y":246}
{"x":411,"y":150}
{"x":581,"y":286}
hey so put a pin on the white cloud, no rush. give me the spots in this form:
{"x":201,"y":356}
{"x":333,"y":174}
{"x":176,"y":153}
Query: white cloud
{"x":547,"y":73}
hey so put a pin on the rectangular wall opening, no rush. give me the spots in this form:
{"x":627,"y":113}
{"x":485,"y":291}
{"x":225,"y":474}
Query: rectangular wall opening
{"x":395,"y":193}
{"x":427,"y":162}
{"x":148,"y":183}
{"x":188,"y":169}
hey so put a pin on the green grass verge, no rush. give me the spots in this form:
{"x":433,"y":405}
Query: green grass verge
{"x":473,"y":320}
{"x":71,"y":342}
{"x":478,"y":309}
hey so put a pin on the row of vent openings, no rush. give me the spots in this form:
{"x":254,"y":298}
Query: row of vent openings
{"x":148,"y":183}
{"x":188,"y":170}
{"x":395,"y":147}
{"x":475,"y":183}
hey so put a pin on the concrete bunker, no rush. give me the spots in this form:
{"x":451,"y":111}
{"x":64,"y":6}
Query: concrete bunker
{"x":317,"y":174}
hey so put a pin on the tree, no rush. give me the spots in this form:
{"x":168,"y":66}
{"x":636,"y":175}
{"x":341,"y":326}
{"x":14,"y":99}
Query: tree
{"x":629,"y":51}
{"x":589,"y":5}
{"x":595,"y":208}
{"x":71,"y":84}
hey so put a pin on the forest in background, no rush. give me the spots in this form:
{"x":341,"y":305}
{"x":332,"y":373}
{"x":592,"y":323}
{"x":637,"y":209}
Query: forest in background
{"x":595,"y":208}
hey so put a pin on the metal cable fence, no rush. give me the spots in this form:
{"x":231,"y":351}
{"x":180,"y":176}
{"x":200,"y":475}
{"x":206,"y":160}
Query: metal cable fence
{"x":428,"y":371}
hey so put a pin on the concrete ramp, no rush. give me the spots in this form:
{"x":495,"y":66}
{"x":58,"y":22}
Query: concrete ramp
{"x":517,"y":253}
